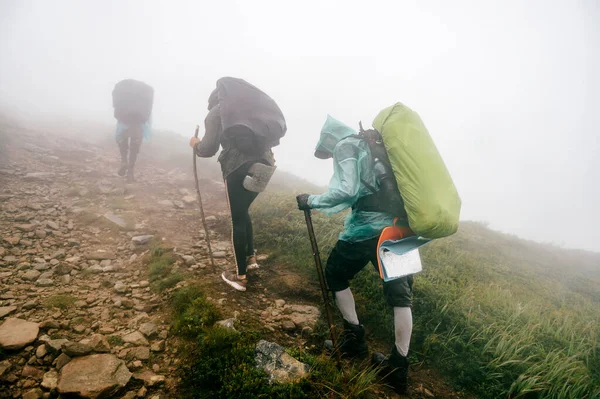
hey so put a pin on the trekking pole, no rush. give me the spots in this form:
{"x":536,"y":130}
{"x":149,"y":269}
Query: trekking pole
{"x":324,"y":291}
{"x":212,"y":260}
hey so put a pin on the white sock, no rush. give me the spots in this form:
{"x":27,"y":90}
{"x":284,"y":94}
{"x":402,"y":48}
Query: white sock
{"x":403,"y":328}
{"x":345,"y":303}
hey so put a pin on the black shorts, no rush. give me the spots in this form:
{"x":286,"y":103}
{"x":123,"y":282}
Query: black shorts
{"x":347,"y":259}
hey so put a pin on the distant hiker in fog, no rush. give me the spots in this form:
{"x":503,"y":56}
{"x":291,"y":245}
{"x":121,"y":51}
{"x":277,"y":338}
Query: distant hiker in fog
{"x":246,"y":123}
{"x":355,"y":185}
{"x":132,"y":101}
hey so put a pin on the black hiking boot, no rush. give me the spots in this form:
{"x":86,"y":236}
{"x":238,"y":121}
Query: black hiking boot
{"x":351,"y":343}
{"x":394,"y":370}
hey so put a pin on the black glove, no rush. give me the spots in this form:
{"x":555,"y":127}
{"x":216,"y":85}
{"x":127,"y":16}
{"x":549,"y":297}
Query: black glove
{"x":302,"y":200}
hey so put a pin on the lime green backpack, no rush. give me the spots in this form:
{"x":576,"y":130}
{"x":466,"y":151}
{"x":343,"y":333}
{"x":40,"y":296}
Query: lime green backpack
{"x":430,"y":198}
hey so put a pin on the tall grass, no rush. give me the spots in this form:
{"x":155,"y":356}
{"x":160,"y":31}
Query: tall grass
{"x":500,"y":316}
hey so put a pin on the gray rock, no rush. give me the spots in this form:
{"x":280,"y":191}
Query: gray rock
{"x":93,"y":376}
{"x":158,"y":346}
{"x":26,"y":227}
{"x":148,"y":329}
{"x":219,"y":254}
{"x":17,"y":333}
{"x":136,"y":338}
{"x":189,"y":199}
{"x":121,"y":287}
{"x":74,"y":349}
{"x":52,"y":225}
{"x":141,"y":240}
{"x":188,"y":259}
{"x":61,"y":361}
{"x":55,"y":345}
{"x":149,"y":378}
{"x":99,"y":343}
{"x":63,"y":268}
{"x":31,"y":275}
{"x":100,"y":255}
{"x":279,"y":366}
{"x":41,"y":351}
{"x":227,"y":323}
{"x":44,"y":282}
{"x":288,"y":325}
{"x":166,"y":203}
{"x":5,"y":366}
{"x":6,"y":310}
{"x":136,"y":353}
{"x":50,"y":380}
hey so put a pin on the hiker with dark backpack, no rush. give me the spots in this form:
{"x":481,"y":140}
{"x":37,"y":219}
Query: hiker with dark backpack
{"x":246,"y":123}
{"x":364,"y":179}
{"x":132,"y":103}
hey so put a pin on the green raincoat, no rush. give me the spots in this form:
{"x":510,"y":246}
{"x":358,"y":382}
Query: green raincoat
{"x":351,"y":163}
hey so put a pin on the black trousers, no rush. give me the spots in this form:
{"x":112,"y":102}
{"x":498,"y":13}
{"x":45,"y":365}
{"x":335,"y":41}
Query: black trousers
{"x":347,"y":259}
{"x":240,"y":200}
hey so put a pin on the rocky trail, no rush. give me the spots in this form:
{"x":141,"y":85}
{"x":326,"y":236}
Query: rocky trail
{"x":77,"y":314}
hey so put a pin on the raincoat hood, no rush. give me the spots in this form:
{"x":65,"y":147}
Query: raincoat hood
{"x":333,"y":132}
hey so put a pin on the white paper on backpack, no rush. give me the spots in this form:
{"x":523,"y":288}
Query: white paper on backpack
{"x":399,"y":265}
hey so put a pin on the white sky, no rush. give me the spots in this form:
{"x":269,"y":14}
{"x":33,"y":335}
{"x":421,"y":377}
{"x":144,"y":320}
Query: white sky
{"x":508,"y":89}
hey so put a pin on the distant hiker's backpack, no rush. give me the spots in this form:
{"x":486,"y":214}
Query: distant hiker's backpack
{"x":429,"y":197}
{"x":132,"y":101}
{"x":249,"y":117}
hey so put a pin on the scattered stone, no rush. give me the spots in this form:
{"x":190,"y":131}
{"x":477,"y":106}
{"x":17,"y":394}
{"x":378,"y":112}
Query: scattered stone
{"x":4,"y":367}
{"x":44,"y":282}
{"x":34,"y":393}
{"x":141,"y":240}
{"x":32,"y":372}
{"x":61,"y":361}
{"x":219,"y":254}
{"x":100,"y":255}
{"x":189,"y":259}
{"x":41,"y":234}
{"x":52,"y":225}
{"x":31,"y":275}
{"x":148,"y":329}
{"x":50,"y":380}
{"x":26,"y":227}
{"x":135,"y":353}
{"x":158,"y":346}
{"x":166,"y":203}
{"x":121,"y":288}
{"x":63,"y":268}
{"x":48,"y":324}
{"x":278,"y":364}
{"x":149,"y":378}
{"x":189,"y":200}
{"x":279,"y":303}
{"x":99,"y":343}
{"x":55,"y":345}
{"x":30,"y":304}
{"x":74,"y":349}
{"x":38,"y":175}
{"x":41,"y":351}
{"x":6,"y":310}
{"x":93,"y":376}
{"x":144,"y":284}
{"x":288,"y":325}
{"x":17,"y":333}
{"x":142,"y":392}
{"x":136,"y":338}
{"x":228,"y":323}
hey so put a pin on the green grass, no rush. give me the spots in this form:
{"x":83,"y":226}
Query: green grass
{"x":60,"y":301}
{"x":220,"y":363}
{"x":161,"y":272}
{"x":115,"y":340}
{"x":499,"y":316}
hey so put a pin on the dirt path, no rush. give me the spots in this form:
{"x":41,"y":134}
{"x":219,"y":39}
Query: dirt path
{"x":75,"y":295}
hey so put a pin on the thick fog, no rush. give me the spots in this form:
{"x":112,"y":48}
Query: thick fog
{"x":508,"y":89}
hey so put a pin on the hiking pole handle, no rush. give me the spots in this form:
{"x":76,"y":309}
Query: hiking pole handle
{"x":322,"y":282}
{"x":206,"y":236}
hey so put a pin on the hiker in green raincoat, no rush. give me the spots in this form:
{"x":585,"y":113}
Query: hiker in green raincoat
{"x":351,"y":187}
